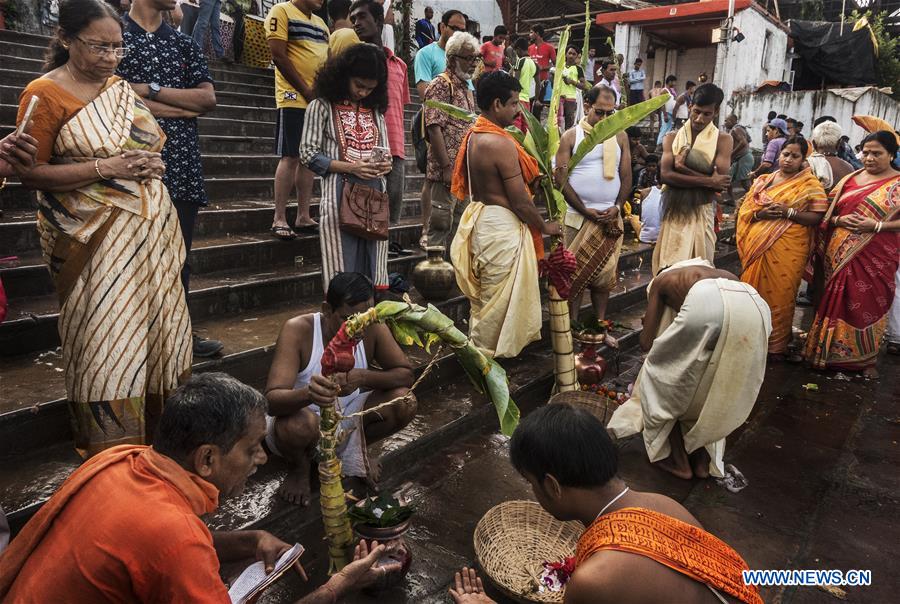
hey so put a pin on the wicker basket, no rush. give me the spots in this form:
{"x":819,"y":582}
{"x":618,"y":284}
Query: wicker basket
{"x":599,"y":406}
{"x":514,"y":538}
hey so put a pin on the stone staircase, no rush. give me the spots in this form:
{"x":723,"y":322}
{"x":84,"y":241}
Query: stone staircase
{"x":244,"y":285}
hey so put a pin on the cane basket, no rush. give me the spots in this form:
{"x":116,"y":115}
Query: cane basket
{"x":514,"y":538}
{"x":600,"y":407}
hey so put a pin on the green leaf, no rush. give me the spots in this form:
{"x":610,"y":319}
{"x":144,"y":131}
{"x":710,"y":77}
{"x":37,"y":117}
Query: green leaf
{"x":498,"y":388}
{"x":452,"y":110}
{"x":516,"y":134}
{"x":390,"y":308}
{"x":431,"y":339}
{"x":537,"y":133}
{"x":559,"y":204}
{"x":405,"y":333}
{"x":552,"y":125}
{"x":612,"y":125}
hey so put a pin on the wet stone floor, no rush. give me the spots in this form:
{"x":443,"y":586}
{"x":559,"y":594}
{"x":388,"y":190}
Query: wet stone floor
{"x":823,"y":491}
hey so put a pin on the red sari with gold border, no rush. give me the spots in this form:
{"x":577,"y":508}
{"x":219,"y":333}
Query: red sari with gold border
{"x":859,"y":277}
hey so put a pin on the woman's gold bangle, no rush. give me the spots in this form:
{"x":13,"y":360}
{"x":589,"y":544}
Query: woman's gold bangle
{"x":97,"y":169}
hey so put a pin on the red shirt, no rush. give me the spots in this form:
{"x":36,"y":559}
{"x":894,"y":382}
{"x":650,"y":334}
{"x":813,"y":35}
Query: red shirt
{"x":543,"y":55}
{"x":492,"y":54}
{"x":398,"y":96}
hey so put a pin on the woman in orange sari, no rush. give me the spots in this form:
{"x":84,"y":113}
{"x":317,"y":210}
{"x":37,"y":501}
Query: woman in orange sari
{"x":774,"y":231}
{"x":860,"y":252}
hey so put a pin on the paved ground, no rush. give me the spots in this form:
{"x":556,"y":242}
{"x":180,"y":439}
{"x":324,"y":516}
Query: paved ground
{"x":823,"y":493}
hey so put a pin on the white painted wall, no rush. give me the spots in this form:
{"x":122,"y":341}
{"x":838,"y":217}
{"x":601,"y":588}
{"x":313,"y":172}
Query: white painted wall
{"x":486,"y":12}
{"x":807,"y":105}
{"x":745,"y":64}
{"x":761,"y":56}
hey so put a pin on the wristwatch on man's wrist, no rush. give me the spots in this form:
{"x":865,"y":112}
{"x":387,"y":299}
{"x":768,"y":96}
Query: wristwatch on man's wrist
{"x":154,"y":90}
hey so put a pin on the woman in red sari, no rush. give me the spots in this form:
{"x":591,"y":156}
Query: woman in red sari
{"x":859,"y":251}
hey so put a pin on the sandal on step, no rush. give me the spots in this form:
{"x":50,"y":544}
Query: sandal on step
{"x":282,"y":232}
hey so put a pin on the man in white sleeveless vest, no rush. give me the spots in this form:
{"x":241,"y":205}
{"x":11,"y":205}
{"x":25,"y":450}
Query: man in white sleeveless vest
{"x":595,"y":191}
{"x":293,"y":421}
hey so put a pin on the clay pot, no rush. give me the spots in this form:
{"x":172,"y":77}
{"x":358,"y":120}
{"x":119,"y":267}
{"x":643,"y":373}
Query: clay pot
{"x":397,"y":551}
{"x":434,"y":277}
{"x":589,"y":366}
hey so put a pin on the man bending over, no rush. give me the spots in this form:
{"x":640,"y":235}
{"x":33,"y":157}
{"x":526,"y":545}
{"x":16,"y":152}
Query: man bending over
{"x":707,"y":334}
{"x":500,"y":236}
{"x":293,"y":421}
{"x":126,"y":527}
{"x":638,"y":547}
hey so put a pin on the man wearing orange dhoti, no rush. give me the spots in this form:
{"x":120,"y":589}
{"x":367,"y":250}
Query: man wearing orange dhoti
{"x":629,"y":534}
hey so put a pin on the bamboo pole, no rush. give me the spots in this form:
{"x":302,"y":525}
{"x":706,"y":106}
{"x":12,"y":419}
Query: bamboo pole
{"x":563,"y":346}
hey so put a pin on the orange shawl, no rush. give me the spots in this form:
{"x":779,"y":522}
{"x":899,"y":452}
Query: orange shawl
{"x":529,"y":166}
{"x":682,"y":547}
{"x":201,"y":495}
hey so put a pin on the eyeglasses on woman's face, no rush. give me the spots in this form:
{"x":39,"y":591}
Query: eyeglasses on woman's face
{"x":101,"y":50}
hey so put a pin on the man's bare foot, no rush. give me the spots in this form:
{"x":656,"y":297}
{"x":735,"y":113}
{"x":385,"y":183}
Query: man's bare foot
{"x":870,"y":373}
{"x":374,"y":474}
{"x":295,"y":488}
{"x":679,"y":470}
{"x":700,"y":463}
{"x":305,"y":222}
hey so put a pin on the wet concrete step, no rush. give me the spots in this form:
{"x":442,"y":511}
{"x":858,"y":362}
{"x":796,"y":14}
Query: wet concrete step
{"x":251,"y":252}
{"x":449,"y":408}
{"x":32,"y":321}
{"x":634,"y":260}
{"x":18,"y":228}
{"x":220,"y":187}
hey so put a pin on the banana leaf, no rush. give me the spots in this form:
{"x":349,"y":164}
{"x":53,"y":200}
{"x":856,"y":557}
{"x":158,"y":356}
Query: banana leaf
{"x":612,"y":125}
{"x":452,"y":110}
{"x":537,"y":133}
{"x":552,"y":124}
{"x":586,"y":45}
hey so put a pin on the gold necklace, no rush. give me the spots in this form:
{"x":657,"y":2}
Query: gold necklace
{"x":74,"y":79}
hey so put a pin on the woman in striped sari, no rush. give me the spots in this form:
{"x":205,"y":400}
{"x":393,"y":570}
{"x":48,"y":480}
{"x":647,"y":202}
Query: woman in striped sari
{"x":342,"y":127}
{"x":859,"y":251}
{"x":774,"y":230}
{"x":109,"y":233}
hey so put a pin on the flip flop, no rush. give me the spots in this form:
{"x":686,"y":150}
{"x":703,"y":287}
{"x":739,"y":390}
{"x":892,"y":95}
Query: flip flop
{"x":397,"y":250}
{"x":282,"y":232}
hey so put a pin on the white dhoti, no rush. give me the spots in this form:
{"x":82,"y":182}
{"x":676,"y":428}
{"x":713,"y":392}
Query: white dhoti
{"x":704,"y":371}
{"x":496,"y":268}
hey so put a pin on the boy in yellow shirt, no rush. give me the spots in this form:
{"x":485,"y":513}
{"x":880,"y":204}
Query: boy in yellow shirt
{"x":298,"y":40}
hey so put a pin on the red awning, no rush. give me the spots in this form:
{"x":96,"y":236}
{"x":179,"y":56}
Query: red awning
{"x":672,"y":12}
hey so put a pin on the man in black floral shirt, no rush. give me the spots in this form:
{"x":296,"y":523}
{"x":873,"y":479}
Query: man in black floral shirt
{"x":169,"y":72}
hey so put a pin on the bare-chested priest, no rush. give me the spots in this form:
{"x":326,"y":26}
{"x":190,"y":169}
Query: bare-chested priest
{"x":638,"y":547}
{"x":295,"y":376}
{"x":695,"y":166}
{"x":500,"y":236}
{"x":706,"y":333}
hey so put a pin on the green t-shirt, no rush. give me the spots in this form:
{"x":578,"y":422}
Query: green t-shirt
{"x":569,"y":90}
{"x":526,"y":68}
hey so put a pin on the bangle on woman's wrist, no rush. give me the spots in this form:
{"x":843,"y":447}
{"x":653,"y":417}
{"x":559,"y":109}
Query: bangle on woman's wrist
{"x":878,"y":226}
{"x":97,"y":170}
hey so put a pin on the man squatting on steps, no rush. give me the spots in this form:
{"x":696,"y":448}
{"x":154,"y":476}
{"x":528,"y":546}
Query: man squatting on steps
{"x":695,"y":168}
{"x":150,"y":543}
{"x":500,"y":236}
{"x":295,"y":382}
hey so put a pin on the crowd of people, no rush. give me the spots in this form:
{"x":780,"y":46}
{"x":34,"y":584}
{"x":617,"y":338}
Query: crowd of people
{"x":113,"y":152}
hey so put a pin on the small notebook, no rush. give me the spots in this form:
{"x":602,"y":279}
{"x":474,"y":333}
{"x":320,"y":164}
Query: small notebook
{"x":254,"y":580}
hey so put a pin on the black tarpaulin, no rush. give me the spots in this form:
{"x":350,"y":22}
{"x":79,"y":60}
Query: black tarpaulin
{"x":827,"y":55}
